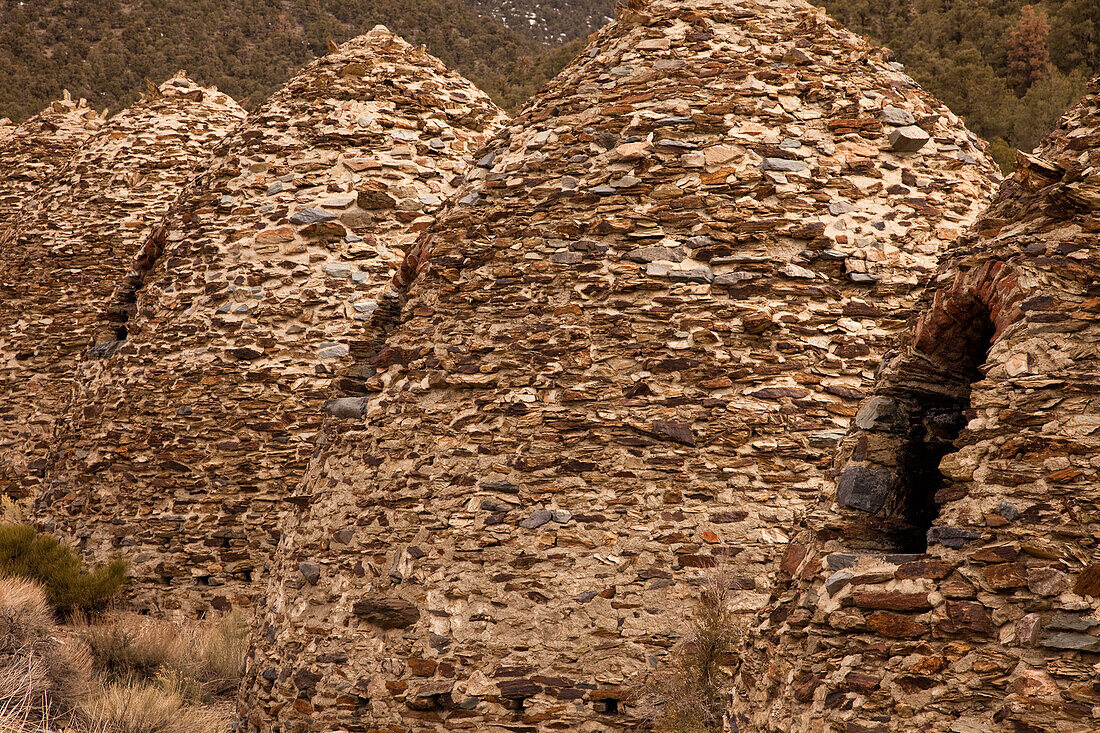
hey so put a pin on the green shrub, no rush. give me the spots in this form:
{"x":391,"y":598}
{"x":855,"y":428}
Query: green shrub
{"x":70,"y":588}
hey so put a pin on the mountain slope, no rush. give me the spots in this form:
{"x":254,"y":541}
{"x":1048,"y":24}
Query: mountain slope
{"x":1009,"y":68}
{"x":105,"y":49}
{"x":550,"y":21}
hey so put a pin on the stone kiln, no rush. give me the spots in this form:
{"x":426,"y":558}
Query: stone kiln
{"x":630,"y":346}
{"x":33,"y":153}
{"x":995,"y":624}
{"x":183,"y":448}
{"x":72,"y":246}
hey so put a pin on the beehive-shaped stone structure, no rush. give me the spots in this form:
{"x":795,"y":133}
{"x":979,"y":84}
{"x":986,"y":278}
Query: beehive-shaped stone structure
{"x":965,"y":597}
{"x":183,"y":450}
{"x":33,"y":153}
{"x":7,"y":129}
{"x":628,"y":351}
{"x":72,"y":247}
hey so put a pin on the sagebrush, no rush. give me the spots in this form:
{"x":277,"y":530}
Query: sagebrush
{"x":70,"y":587}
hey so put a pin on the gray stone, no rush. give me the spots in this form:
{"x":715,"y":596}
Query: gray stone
{"x":783,"y":165}
{"x":1069,"y":622}
{"x":952,"y":536}
{"x":310,"y":571}
{"x":692,"y":275}
{"x":896,"y":117}
{"x":732,"y":278}
{"x":332,"y":351}
{"x":1076,"y":642}
{"x":1008,"y":510}
{"x":654,"y":253}
{"x":538,"y":518}
{"x":908,"y":139}
{"x":311,"y":216}
{"x":337,"y":270}
{"x":346,"y":407}
{"x":835,"y":582}
{"x":561,"y":516}
{"x":864,"y":488}
{"x":879,"y":413}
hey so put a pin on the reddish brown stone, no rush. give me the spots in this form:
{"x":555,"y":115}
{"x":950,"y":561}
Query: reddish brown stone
{"x":891,"y":600}
{"x":966,"y":616}
{"x":934,"y":569}
{"x":792,"y":558}
{"x":1088,"y":582}
{"x":861,"y":681}
{"x":896,"y":625}
{"x":1004,"y":575}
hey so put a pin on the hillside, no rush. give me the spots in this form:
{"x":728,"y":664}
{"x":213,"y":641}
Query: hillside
{"x":1009,"y":68}
{"x":551,"y":21}
{"x":105,"y":49}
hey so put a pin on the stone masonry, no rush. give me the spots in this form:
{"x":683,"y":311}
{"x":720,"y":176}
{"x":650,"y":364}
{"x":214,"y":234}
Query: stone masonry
{"x":952,"y":579}
{"x":71,"y":248}
{"x":627,"y":351}
{"x":184,"y":447}
{"x":32,"y":154}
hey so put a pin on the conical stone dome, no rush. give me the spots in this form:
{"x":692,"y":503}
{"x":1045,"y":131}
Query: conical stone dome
{"x":33,"y":153}
{"x":965,"y":598}
{"x":72,"y":248}
{"x":183,"y":449}
{"x":628,"y":351}
{"x":7,"y":129}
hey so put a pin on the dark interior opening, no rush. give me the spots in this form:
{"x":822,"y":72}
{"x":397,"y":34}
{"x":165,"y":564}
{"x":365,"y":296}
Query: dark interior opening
{"x":606,"y":705}
{"x":920,"y":409}
{"x":937,"y":407}
{"x":932,"y":433}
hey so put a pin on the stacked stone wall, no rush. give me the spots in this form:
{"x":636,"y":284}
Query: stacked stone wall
{"x":626,"y":354}
{"x":184,"y":447}
{"x":995,"y":624}
{"x":33,"y":154}
{"x":71,"y":247}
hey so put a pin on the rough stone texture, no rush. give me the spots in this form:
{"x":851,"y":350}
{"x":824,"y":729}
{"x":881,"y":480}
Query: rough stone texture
{"x":7,"y":129}
{"x":1006,"y":633}
{"x":33,"y":153}
{"x":627,"y":353}
{"x":182,"y":449}
{"x":71,"y":249}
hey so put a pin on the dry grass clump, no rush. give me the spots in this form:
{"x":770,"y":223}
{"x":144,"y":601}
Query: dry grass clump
{"x":693,"y":695}
{"x":150,"y":708}
{"x":43,"y":673}
{"x":202,"y":660}
{"x":122,"y":674}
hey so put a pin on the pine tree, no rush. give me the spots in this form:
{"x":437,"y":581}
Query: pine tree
{"x":1028,"y":55}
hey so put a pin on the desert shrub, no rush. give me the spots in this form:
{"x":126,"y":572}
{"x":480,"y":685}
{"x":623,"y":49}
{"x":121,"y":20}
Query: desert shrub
{"x":43,"y":673}
{"x":150,"y":708}
{"x":27,"y":553}
{"x":12,"y":510}
{"x":201,"y":660}
{"x":693,"y":695}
